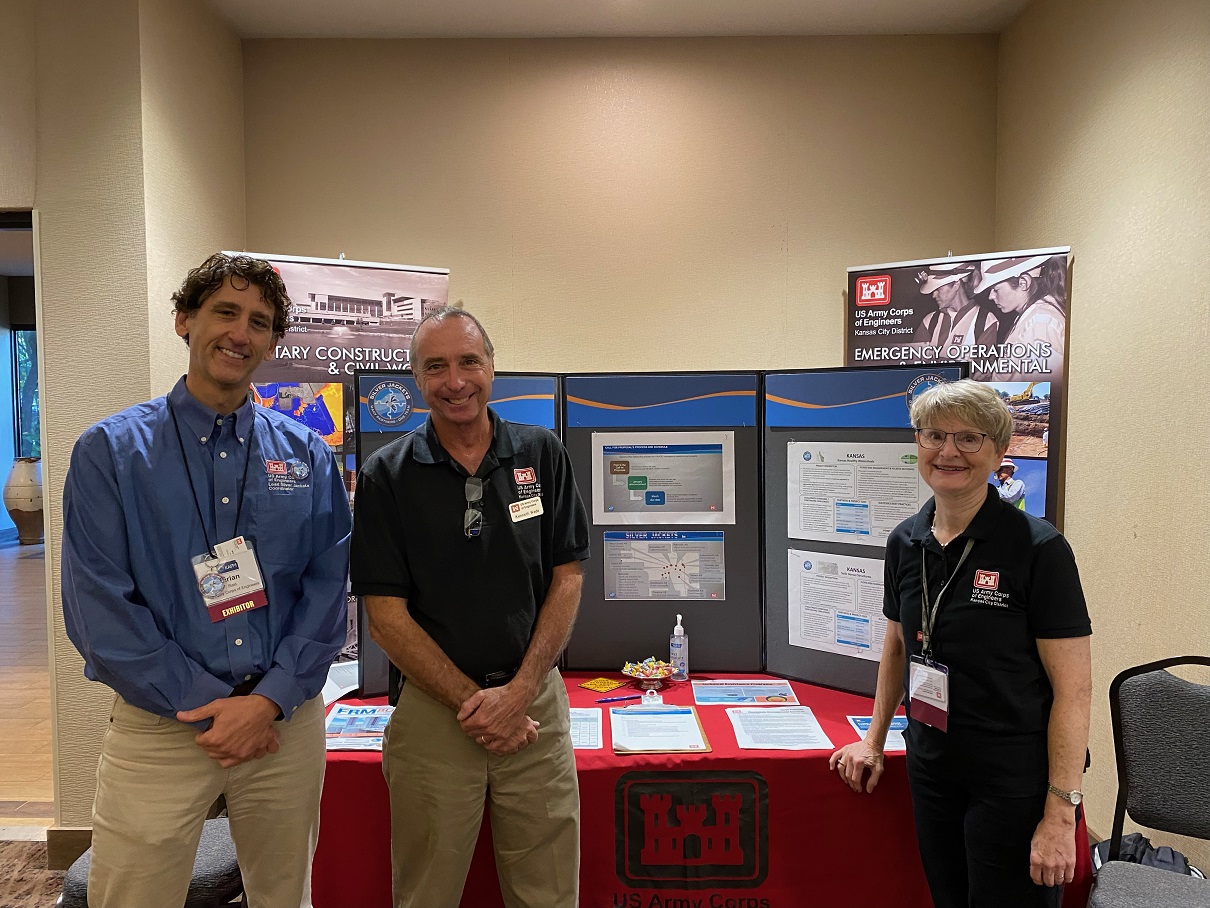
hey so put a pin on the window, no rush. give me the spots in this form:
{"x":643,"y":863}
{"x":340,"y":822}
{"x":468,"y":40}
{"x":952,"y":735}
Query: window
{"x":25,"y":392}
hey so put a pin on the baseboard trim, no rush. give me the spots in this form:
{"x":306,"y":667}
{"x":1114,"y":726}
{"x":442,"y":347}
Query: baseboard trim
{"x":66,"y":843}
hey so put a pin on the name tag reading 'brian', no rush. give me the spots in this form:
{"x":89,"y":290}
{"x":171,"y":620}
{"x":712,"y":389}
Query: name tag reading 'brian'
{"x":525,"y":509}
{"x":230,"y":583}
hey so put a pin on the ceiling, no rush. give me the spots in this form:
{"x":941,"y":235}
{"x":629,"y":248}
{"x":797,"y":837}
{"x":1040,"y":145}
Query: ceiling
{"x":610,"y":18}
{"x":17,"y":253}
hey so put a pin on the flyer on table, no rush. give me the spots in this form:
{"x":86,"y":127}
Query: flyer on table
{"x":894,"y":737}
{"x":788,"y":728}
{"x":734,"y":693}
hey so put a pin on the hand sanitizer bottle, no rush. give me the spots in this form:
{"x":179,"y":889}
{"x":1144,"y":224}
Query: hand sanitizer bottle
{"x":678,"y":652}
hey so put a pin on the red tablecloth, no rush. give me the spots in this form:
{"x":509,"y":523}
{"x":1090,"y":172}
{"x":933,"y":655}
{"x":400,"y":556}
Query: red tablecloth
{"x":792,"y":834}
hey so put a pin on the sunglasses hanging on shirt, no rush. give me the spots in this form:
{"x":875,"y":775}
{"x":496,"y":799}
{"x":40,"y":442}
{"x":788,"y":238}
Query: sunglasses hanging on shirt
{"x":472,"y":518}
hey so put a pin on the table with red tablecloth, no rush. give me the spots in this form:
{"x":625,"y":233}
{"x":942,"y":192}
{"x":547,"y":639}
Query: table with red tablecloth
{"x":732,"y":828}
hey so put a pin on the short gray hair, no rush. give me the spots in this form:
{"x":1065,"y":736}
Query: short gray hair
{"x":440,"y":315}
{"x":972,"y":402}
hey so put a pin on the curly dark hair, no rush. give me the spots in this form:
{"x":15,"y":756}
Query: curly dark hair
{"x":243,"y":272}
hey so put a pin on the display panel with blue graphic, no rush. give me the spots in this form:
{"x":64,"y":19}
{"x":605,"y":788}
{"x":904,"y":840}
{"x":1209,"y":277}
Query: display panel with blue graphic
{"x":663,"y":401}
{"x":391,"y":401}
{"x":840,"y":473}
{"x":669,"y":466}
{"x":856,"y":398}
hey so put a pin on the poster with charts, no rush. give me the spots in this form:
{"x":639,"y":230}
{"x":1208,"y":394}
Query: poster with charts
{"x":663,"y":478}
{"x":835,"y":604}
{"x":851,"y":492}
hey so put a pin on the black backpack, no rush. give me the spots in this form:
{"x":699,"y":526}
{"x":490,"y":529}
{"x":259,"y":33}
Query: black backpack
{"x":1137,"y":849}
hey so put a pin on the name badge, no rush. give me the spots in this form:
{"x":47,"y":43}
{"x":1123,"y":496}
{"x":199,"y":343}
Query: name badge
{"x":525,"y":509}
{"x":231,"y":582}
{"x":929,"y":693}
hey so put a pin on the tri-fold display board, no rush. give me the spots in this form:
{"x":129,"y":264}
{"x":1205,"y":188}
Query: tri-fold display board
{"x":839,"y":475}
{"x":668,"y":465}
{"x":757,"y":506}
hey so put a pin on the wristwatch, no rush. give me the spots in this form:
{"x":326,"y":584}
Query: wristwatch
{"x":1071,"y":797}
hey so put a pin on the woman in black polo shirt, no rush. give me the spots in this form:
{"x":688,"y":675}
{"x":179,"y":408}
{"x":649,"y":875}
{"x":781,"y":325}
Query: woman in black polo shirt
{"x":988,"y":636}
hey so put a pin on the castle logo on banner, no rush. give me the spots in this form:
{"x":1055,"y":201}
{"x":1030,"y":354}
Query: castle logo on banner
{"x":691,"y":830}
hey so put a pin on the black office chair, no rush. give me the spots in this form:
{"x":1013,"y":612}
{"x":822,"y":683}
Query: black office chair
{"x":1160,"y":734}
{"x":216,"y":881}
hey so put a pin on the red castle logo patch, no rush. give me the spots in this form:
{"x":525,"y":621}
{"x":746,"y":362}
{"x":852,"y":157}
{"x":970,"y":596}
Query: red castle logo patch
{"x":987,"y":580}
{"x":276,"y":467}
{"x":873,"y":291}
{"x":525,"y":476}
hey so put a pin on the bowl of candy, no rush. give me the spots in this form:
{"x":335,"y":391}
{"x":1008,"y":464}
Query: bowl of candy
{"x":650,"y":673}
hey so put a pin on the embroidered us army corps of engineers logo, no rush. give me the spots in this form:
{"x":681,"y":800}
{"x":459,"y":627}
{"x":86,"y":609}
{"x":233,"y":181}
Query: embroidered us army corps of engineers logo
{"x":691,"y":830}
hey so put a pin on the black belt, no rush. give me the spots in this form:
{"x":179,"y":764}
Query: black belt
{"x":498,"y":679}
{"x":246,"y":687}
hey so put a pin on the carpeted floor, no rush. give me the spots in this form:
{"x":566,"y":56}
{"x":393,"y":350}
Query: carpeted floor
{"x":24,"y":880}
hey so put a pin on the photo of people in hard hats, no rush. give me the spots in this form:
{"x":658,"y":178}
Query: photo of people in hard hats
{"x":958,"y":319}
{"x":1030,"y":293}
{"x":1002,"y":313}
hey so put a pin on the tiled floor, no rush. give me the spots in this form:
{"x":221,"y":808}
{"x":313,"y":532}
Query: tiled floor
{"x":26,"y":788}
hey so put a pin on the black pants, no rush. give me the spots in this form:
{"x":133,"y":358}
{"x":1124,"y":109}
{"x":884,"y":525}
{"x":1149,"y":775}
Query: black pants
{"x":974,"y":846}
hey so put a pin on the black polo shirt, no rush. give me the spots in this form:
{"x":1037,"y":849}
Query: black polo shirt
{"x":477,"y":597}
{"x":1018,"y":584}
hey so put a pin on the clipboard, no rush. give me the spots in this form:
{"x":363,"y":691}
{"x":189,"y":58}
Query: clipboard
{"x":629,"y":711}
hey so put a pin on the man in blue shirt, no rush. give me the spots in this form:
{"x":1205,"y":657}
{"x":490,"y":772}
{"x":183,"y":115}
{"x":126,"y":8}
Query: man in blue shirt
{"x":205,"y":559}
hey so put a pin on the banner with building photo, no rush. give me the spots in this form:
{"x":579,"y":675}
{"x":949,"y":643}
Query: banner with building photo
{"x":345,"y":316}
{"x":1005,"y":313}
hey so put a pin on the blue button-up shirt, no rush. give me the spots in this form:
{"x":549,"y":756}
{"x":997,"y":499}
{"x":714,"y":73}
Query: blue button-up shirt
{"x":131,"y":529}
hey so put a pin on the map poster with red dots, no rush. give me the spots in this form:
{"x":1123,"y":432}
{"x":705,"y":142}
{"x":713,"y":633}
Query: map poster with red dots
{"x":665,"y":565}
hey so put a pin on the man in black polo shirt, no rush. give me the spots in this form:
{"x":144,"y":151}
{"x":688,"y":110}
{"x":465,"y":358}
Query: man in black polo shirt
{"x":467,"y":539}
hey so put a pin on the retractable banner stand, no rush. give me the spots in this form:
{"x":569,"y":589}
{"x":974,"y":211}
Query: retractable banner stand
{"x":389,"y":406}
{"x":669,"y":467}
{"x":840,"y":474}
{"x":345,"y":315}
{"x":1003,"y":313}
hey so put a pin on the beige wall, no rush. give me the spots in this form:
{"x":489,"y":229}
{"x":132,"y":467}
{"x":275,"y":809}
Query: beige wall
{"x":628,"y":204}
{"x":18,"y":124}
{"x":1104,"y":143}
{"x":193,"y":158}
{"x":93,"y":292}
{"x":124,"y":210}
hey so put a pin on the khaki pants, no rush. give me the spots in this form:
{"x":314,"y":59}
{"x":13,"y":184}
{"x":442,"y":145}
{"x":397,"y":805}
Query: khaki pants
{"x":439,"y":779}
{"x":154,"y":787}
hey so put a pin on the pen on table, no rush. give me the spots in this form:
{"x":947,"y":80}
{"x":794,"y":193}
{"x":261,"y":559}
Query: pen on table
{"x":619,"y":699}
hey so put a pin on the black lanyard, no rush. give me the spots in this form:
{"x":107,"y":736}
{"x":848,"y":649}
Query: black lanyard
{"x":928,"y":617}
{"x":243,"y":483}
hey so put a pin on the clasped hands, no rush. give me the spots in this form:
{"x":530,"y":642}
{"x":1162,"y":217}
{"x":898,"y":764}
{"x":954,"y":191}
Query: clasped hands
{"x":241,"y":730}
{"x":495,"y":718}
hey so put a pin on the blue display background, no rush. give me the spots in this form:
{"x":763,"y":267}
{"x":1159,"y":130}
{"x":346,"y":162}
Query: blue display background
{"x":601,"y":401}
{"x":844,"y":398}
{"x":525,"y":399}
